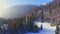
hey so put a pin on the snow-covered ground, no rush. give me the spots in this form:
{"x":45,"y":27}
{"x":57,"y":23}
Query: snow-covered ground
{"x":46,"y":25}
{"x":44,"y":31}
{"x":47,"y":29}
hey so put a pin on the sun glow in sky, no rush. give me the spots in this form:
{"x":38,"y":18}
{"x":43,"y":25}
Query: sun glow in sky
{"x":1,"y":4}
{"x":8,"y":3}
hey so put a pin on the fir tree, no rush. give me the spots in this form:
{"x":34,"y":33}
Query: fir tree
{"x":57,"y":29}
{"x":41,"y":27}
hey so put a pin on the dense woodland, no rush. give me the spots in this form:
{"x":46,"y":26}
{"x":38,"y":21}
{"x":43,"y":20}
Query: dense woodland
{"x":20,"y":24}
{"x":48,"y":13}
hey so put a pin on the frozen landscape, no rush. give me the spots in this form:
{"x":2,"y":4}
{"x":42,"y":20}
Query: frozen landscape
{"x":47,"y":29}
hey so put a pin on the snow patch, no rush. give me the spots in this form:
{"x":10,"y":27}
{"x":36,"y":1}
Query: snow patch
{"x":47,"y":28}
{"x":45,"y":25}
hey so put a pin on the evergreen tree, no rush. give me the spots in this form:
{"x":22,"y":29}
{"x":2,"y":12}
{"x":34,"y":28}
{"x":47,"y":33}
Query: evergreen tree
{"x":50,"y":9}
{"x":42,"y":17}
{"x":35,"y":28}
{"x":41,"y":27}
{"x":57,"y":29}
{"x":31,"y":25}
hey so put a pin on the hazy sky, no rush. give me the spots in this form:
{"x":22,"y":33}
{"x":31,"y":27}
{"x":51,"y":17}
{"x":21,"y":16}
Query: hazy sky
{"x":7,"y":3}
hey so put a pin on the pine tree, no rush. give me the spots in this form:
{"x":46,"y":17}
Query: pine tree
{"x":57,"y":29}
{"x":31,"y":25}
{"x":50,"y":9}
{"x":41,"y":27}
{"x":42,"y":17}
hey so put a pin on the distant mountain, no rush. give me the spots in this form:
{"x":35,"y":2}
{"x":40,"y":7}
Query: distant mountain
{"x":17,"y":11}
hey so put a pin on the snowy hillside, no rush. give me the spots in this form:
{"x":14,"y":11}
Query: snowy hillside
{"x":47,"y":29}
{"x":44,"y":31}
{"x":46,"y":25}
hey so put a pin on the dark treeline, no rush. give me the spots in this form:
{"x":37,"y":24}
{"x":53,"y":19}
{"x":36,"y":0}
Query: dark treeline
{"x":20,"y":25}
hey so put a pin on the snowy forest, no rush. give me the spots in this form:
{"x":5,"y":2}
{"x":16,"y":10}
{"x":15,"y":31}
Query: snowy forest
{"x":31,"y":19}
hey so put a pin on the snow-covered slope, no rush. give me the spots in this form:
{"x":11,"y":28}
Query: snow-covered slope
{"x":44,"y":31}
{"x":46,"y":25}
{"x":47,"y":29}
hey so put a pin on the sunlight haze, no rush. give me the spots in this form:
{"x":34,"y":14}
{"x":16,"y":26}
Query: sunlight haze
{"x":8,"y":3}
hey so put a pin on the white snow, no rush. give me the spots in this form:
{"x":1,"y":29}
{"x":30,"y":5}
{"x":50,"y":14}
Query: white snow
{"x":46,"y":25}
{"x":47,"y":28}
{"x":44,"y":31}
